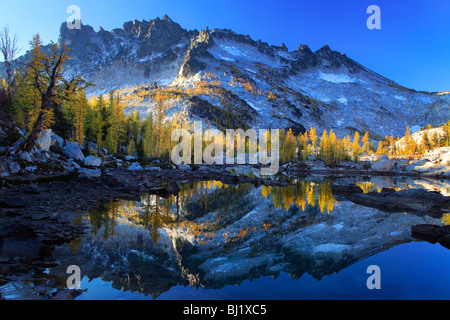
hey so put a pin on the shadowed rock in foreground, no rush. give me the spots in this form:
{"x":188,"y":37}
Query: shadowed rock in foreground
{"x":432,"y":233}
{"x":410,"y":200}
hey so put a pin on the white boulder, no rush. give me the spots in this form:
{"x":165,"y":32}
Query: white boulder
{"x":384,"y":164}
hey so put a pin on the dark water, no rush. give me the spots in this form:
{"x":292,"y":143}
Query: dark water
{"x":216,"y":241}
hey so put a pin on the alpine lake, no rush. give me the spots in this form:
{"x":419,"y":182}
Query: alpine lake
{"x":216,"y":241}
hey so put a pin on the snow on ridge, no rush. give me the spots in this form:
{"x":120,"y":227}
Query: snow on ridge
{"x":234,"y":51}
{"x":343,"y":100}
{"x":148,"y":58}
{"x":401,"y":98}
{"x":226,"y":59}
{"x":336,"y":78}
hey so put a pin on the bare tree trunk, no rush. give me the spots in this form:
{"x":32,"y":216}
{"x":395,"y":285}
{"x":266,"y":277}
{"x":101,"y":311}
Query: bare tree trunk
{"x":34,"y":135}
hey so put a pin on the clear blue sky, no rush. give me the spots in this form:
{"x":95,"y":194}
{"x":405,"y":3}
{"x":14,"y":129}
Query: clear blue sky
{"x":412,"y":48}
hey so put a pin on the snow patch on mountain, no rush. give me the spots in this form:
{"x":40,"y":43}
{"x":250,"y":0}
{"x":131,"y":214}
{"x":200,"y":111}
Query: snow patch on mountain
{"x":336,"y":78}
{"x":401,"y":98}
{"x":343,"y":100}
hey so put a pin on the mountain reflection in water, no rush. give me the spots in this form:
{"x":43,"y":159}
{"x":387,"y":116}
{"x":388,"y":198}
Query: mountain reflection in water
{"x":212,"y":235}
{"x":188,"y":210}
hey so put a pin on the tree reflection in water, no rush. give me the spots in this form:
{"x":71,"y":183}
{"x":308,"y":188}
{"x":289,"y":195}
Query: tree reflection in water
{"x":196,"y":199}
{"x":301,"y":194}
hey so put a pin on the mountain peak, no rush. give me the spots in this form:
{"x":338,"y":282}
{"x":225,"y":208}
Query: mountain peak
{"x":167,"y":18}
{"x":325,"y":48}
{"x":283,"y":47}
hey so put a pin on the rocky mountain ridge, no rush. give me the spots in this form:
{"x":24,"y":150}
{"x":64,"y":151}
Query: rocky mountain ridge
{"x":266,"y":86}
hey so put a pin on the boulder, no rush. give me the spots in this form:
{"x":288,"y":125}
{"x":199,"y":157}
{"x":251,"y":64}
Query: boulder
{"x":384,"y":165}
{"x":45,"y":140}
{"x":73,"y":151}
{"x":135,"y":167}
{"x":25,"y":156}
{"x":92,"y":161}
{"x":57,"y":140}
{"x":14,"y":167}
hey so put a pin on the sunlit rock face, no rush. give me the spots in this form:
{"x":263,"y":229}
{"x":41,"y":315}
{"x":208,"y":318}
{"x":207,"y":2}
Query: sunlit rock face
{"x":212,"y":235}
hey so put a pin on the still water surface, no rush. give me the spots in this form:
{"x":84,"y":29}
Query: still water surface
{"x":216,"y":241}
